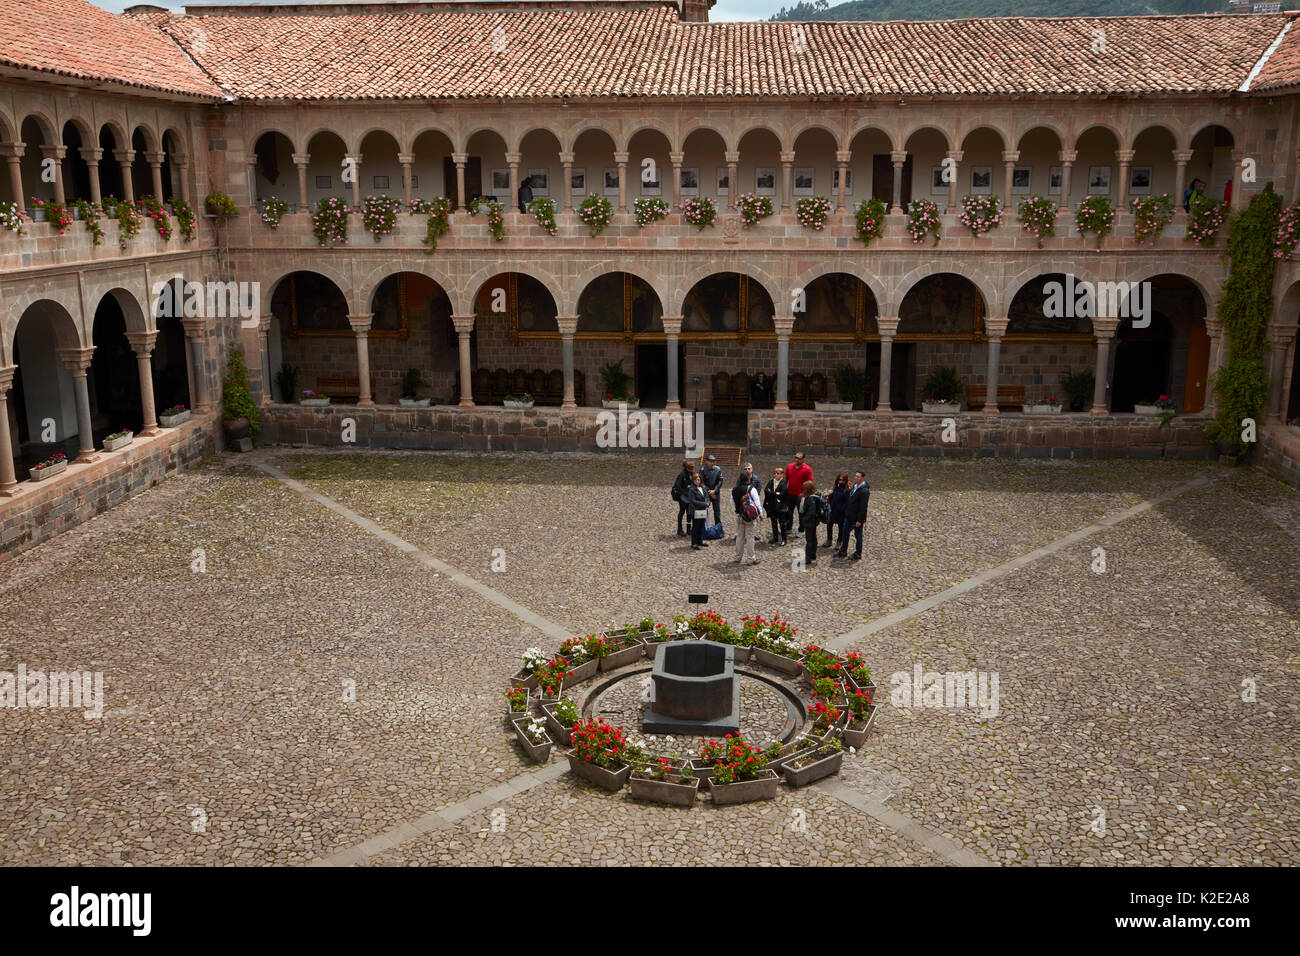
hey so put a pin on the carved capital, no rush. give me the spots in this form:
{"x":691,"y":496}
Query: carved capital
{"x":956,"y":154}
{"x":301,"y":159}
{"x":995,"y":328}
{"x":677,"y":158}
{"x":13,"y":151}
{"x":784,"y":325}
{"x":76,"y":360}
{"x":1010,"y":155}
{"x":125,"y":157}
{"x":566,"y":157}
{"x":787,"y":157}
{"x":843,"y":156}
{"x":512,"y":159}
{"x":54,"y":152}
{"x":361,"y":322}
{"x":1068,"y":155}
{"x":888,"y":325}
{"x":6,"y":378}
{"x":460,"y":159}
{"x":406,"y":159}
{"x":1124,"y":155}
{"x":731,"y":156}
{"x":142,"y":343}
{"x":156,"y":157}
{"x":672,"y":325}
{"x":193,"y":326}
{"x":1281,"y":336}
{"x":568,"y":325}
{"x":1182,"y":156}
{"x":1104,"y":328}
{"x":620,"y":157}
{"x":464,"y":324}
{"x":91,"y":154}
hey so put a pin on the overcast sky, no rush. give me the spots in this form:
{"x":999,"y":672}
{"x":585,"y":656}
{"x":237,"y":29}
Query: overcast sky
{"x":725,"y":10}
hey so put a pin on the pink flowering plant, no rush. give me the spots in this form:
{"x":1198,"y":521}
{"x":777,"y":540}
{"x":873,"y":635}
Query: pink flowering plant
{"x":869,"y":221}
{"x":273,"y":211}
{"x":88,"y":213}
{"x":752,"y":208}
{"x":57,"y":213}
{"x":1038,"y":217}
{"x":699,"y":212}
{"x":12,"y":219}
{"x":979,"y":214}
{"x":813,"y":211}
{"x":151,"y":207}
{"x":1288,"y":231}
{"x":1206,"y":217}
{"x":923,"y":220}
{"x":128,"y":219}
{"x":379,"y":215}
{"x":438,"y":222}
{"x":650,"y":209}
{"x":329,"y":223}
{"x":185,"y":218}
{"x":543,"y":210}
{"x":495,"y":215}
{"x":596,"y":213}
{"x":1151,"y":215}
{"x":1095,"y":216}
{"x":54,"y":459}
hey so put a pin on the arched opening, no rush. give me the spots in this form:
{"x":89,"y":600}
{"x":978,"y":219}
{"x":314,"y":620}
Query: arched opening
{"x":1168,"y":357}
{"x":75,"y":170}
{"x":1152,"y":172}
{"x":939,"y":318}
{"x":923,"y":176}
{"x":510,"y":308}
{"x":411,"y":328}
{"x":1046,"y":339}
{"x":171,"y":385}
{"x":982,"y":169}
{"x":110,"y":170}
{"x":6,"y":190}
{"x":594,"y":172}
{"x":617,"y":306}
{"x":326,"y":151}
{"x":871,"y":169}
{"x":704,"y":167}
{"x":275,"y":176}
{"x":726,"y":303}
{"x":839,"y":313}
{"x":759,"y":170}
{"x":380,"y":169}
{"x":1095,"y":166}
{"x":34,"y":137}
{"x":316,"y":340}
{"x":1038,"y":168}
{"x":141,"y":171}
{"x":431,"y":151}
{"x":815,"y":169}
{"x":114,"y":378}
{"x":1211,"y":161}
{"x":836,"y":304}
{"x":487,"y":151}
{"x":650,"y":178}
{"x":43,"y":405}
{"x":727,"y":307}
{"x":171,"y":173}
{"x":539,"y":167}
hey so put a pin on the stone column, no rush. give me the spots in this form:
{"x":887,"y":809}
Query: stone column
{"x":1215,"y":331}
{"x":92,"y":157}
{"x":956,"y":156}
{"x":142,"y":344}
{"x":673,"y":197}
{"x":732,"y":157}
{"x":155,"y":160}
{"x":1238,"y":187}
{"x":462,"y":203}
{"x":672,"y":329}
{"x":57,"y":153}
{"x":77,"y":361}
{"x":568,"y":326}
{"x":842,"y":157}
{"x":356,"y":181}
{"x":1125,"y":158}
{"x":194,"y":334}
{"x":125,"y":157}
{"x":1009,"y":159}
{"x":464,"y":325}
{"x":898,"y":157}
{"x":1103,"y":331}
{"x":513,"y":160}
{"x":406,"y":159}
{"x":8,"y":477}
{"x":784,"y":326}
{"x":301,"y":160}
{"x":787,"y":172}
{"x":566,"y":160}
{"x":182,"y":165}
{"x":13,"y":154}
{"x":888,"y":326}
{"x":361,"y":328}
{"x":1182,"y":157}
{"x":995,"y":328}
{"x":1067,"y":157}
{"x":1280,"y":340}
{"x":251,"y":179}
{"x":620,"y":159}
{"x":264,"y":341}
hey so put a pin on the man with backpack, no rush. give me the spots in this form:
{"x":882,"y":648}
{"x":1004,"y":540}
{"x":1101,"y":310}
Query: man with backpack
{"x":711,"y":478}
{"x":747,"y":497}
{"x":681,"y":487}
{"x":855,"y":516}
{"x":813,"y":510}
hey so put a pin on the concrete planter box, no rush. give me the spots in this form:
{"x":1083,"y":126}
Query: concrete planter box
{"x":703,"y":770}
{"x":171,"y":421}
{"x":582,"y":672}
{"x":611,"y":780}
{"x":39,"y":214}
{"x":411,"y":402}
{"x":49,"y":471}
{"x":560,"y":732}
{"x":855,"y":734}
{"x":113,"y":444}
{"x":762,"y":787}
{"x":508,"y":403}
{"x":811,"y":773}
{"x":622,"y":657}
{"x":540,"y":753}
{"x":777,"y":662}
{"x":615,"y":402}
{"x":314,"y":402}
{"x":941,"y":408}
{"x":1041,"y":409}
{"x":834,"y":406}
{"x":1151,"y":410}
{"x":661,"y":791}
{"x":524,"y":679}
{"x":795,"y":751}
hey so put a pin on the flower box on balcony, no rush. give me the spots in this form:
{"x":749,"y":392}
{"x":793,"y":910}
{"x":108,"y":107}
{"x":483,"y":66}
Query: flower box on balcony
{"x":114,"y":442}
{"x":1041,"y":409}
{"x":170,"y":418}
{"x":941,"y":408}
{"x":414,"y":402}
{"x":834,"y":406}
{"x":55,"y":464}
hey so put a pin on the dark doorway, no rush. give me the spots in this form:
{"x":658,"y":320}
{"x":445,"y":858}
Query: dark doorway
{"x":902,"y":376}
{"x":1293,"y":401}
{"x":171,"y":384}
{"x":114,"y":376}
{"x":882,"y":179}
{"x":1142,"y":358}
{"x":651,"y":381}
{"x":473,"y":178}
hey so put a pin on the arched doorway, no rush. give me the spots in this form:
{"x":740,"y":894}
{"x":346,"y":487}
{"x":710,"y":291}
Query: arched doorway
{"x":316,"y":341}
{"x":515,"y":333}
{"x":114,"y":378}
{"x":171,"y":384}
{"x":1048,"y":349}
{"x":42,"y":407}
{"x":619,"y":306}
{"x":411,"y":328}
{"x":727,"y":307}
{"x":838,"y":316}
{"x":275,"y":174}
{"x":939,"y":320}
{"x":1168,"y":357}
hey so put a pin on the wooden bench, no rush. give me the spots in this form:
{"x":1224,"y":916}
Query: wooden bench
{"x":345,"y":389}
{"x":1012,"y":395}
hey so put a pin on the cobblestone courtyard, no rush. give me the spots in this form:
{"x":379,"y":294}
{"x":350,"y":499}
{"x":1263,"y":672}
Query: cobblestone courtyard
{"x":1121,"y":693}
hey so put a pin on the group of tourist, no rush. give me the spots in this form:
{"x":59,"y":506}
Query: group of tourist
{"x":789,"y":494}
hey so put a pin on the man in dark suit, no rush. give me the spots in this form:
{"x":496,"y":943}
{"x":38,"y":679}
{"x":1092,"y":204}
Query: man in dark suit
{"x":855,"y":516}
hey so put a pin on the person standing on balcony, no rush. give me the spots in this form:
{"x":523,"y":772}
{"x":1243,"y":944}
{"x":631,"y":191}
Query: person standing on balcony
{"x":525,"y":193}
{"x":796,"y":473}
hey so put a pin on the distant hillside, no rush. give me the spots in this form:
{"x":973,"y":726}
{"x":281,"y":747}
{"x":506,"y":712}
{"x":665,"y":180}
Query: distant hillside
{"x":955,"y":9}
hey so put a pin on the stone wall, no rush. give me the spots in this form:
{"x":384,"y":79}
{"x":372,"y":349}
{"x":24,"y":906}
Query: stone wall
{"x":1279,"y":453}
{"x":45,"y":508}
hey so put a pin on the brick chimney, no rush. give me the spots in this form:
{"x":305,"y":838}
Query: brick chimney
{"x":696,"y":11}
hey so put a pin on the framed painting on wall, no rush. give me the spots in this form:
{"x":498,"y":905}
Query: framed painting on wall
{"x":1020,"y":180}
{"x":981,"y":180}
{"x":578,"y":181}
{"x":380,"y":182}
{"x":501,"y":182}
{"x":690,"y":182}
{"x":765,"y":180}
{"x":1139,"y":183}
{"x":1098,"y":180}
{"x":1054,"y":181}
{"x":650,"y":180}
{"x":541,"y":181}
{"x":611,"y":180}
{"x":938,"y":187}
{"x":323,"y":182}
{"x":803,"y":180}
{"x":724,"y":181}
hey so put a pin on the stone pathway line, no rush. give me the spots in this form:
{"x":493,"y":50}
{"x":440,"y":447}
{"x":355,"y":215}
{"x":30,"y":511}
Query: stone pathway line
{"x":1002,"y":570}
{"x":440,"y":819}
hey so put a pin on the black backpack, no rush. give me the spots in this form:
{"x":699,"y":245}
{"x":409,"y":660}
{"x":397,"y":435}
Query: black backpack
{"x":823,"y":510}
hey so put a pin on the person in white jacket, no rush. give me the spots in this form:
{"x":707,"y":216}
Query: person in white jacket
{"x":746,"y":531}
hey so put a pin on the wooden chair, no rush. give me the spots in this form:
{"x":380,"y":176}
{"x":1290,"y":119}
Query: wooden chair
{"x":345,"y":389}
{"x":500,"y":387}
{"x":798,"y":391}
{"x":1008,"y":395}
{"x":740,"y":395}
{"x":721,"y":392}
{"x":518,"y":382}
{"x":817,"y":387}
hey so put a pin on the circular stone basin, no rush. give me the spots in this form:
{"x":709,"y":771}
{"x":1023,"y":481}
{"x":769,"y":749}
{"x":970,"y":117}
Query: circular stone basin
{"x":694,"y":689}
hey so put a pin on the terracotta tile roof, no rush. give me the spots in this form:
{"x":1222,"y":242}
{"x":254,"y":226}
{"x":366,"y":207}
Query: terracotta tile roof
{"x":646,"y":51}
{"x":78,"y":39}
{"x":1283,"y":65}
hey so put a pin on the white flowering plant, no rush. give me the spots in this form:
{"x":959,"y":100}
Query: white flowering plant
{"x":534,"y":658}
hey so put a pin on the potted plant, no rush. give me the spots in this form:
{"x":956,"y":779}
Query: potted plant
{"x":581,"y":664}
{"x":173,"y":416}
{"x":518,"y":401}
{"x":862,"y":714}
{"x":561,"y":717}
{"x":817,"y":662}
{"x":942,"y":391}
{"x":217,"y":203}
{"x":613,"y":652}
{"x":412,"y":382}
{"x":56,"y":463}
{"x":516,"y":703}
{"x":615,"y":380}
{"x":830,"y":690}
{"x":1164,"y":405}
{"x":286,"y":380}
{"x":533,"y":659}
{"x":118,"y":440}
{"x":857,"y":672}
{"x":851,"y":383}
{"x":598,"y":754}
{"x":827,"y":719}
{"x":814,"y":765}
{"x":1078,"y":388}
{"x":741,"y":774}
{"x":1048,"y":406}
{"x":241,"y":419}
{"x":313,"y":399}
{"x":774,"y":643}
{"x":664,"y":780}
{"x":779,"y":754}
{"x":531,"y":732}
{"x":551,"y":678}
